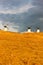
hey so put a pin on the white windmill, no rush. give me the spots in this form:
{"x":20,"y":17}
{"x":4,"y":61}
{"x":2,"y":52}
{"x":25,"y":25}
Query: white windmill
{"x":38,"y":30}
{"x":6,"y":27}
{"x":29,"y":29}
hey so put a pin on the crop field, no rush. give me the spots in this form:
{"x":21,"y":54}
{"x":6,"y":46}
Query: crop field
{"x":21,"y":48}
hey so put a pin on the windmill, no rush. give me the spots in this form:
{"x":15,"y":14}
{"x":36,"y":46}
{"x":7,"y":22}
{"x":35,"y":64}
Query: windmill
{"x":38,"y":29}
{"x":29,"y":29}
{"x":5,"y":27}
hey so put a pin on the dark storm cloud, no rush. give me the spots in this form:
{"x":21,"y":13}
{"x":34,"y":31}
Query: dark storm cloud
{"x":33,"y":18}
{"x":19,"y":14}
{"x":12,"y":3}
{"x":37,"y":2}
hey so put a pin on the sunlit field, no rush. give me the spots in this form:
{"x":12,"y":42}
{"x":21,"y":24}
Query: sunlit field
{"x":21,"y":48}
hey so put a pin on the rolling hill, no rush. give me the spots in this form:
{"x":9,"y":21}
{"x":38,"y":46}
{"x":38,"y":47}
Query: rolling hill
{"x":21,"y":48}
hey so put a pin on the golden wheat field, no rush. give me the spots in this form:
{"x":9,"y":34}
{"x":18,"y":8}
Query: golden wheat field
{"x":21,"y":48}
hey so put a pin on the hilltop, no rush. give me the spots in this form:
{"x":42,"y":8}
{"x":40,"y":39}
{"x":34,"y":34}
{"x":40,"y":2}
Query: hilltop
{"x":21,"y":48}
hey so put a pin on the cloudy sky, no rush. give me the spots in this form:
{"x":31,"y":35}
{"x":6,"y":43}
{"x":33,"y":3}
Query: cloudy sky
{"x":20,"y":14}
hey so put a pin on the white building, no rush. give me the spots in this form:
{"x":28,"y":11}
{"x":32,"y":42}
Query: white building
{"x":38,"y":30}
{"x":5,"y":28}
{"x":29,"y":29}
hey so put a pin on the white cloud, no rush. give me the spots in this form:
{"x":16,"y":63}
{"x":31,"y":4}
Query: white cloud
{"x":22,"y":9}
{"x":13,"y":29}
{"x":1,"y":26}
{"x":41,"y":19}
{"x":11,"y":26}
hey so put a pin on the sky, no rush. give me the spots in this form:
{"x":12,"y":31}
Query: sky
{"x":18,"y":15}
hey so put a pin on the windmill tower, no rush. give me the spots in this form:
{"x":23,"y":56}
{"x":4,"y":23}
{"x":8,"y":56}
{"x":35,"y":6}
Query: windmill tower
{"x":29,"y":29}
{"x":5,"y":27}
{"x":38,"y":30}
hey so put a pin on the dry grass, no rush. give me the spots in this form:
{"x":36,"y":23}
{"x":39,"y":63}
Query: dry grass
{"x":21,"y":49}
